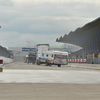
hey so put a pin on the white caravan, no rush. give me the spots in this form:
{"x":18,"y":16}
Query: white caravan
{"x":53,"y":58}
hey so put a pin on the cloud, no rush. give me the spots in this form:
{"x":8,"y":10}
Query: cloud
{"x":30,"y":19}
{"x":57,"y":1}
{"x":10,"y":39}
{"x":6,"y":3}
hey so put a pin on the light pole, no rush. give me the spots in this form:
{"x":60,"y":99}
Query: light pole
{"x":28,"y":44}
{"x":34,"y":43}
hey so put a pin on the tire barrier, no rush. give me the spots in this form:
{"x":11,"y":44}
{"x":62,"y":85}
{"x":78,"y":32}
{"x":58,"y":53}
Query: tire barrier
{"x":1,"y":65}
{"x":77,"y":60}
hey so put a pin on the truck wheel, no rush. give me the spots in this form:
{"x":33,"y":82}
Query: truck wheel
{"x":46,"y":64}
{"x":38,"y":63}
{"x":59,"y":65}
{"x":50,"y":65}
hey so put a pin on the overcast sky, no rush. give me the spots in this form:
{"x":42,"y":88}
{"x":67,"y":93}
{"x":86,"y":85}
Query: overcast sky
{"x":26,"y":22}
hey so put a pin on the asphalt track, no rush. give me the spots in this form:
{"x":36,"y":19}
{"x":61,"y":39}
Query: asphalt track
{"x":20,"y":81}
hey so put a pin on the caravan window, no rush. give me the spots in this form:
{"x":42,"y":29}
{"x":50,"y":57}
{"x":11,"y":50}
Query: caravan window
{"x":42,"y":54}
{"x":46,"y":55}
{"x":61,"y":56}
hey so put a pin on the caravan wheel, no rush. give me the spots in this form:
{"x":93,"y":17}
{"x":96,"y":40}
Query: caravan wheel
{"x":46,"y":63}
{"x":59,"y":65}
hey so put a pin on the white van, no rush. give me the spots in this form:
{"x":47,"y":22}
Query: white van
{"x":40,"y":48}
{"x":53,"y":58}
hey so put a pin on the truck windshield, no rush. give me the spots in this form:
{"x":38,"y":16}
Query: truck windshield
{"x":61,"y":56}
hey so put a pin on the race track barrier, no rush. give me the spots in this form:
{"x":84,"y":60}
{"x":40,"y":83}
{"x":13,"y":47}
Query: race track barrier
{"x":6,"y":60}
{"x":1,"y":65}
{"x":77,"y":60}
